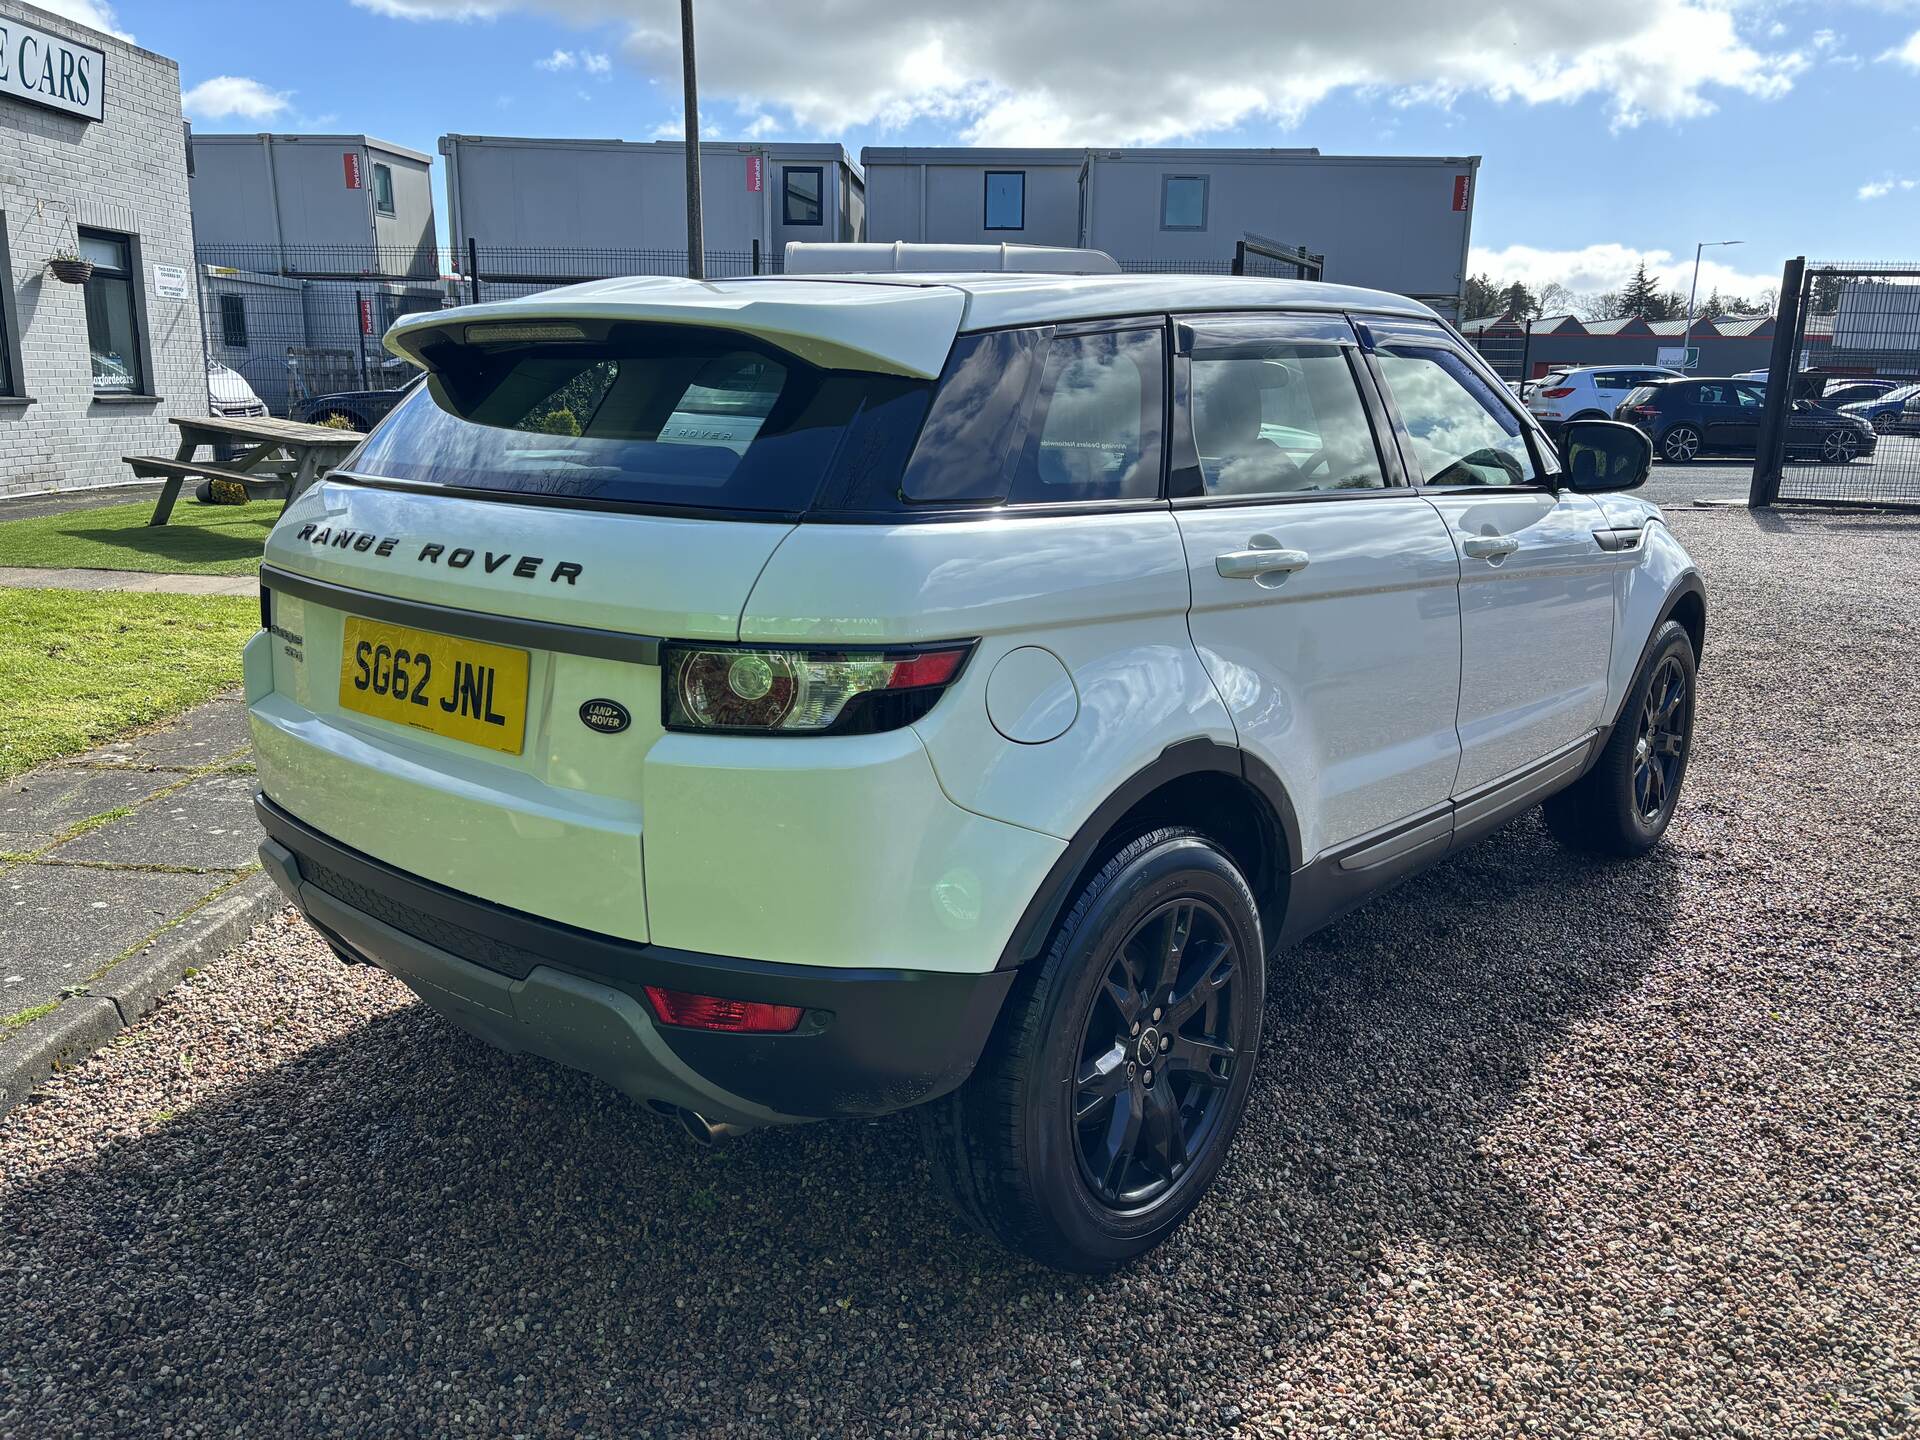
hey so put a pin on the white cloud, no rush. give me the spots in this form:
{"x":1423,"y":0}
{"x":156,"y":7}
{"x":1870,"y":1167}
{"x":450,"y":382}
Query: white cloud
{"x":1907,"y":54}
{"x":594,"y":62}
{"x":1036,"y":71}
{"x":234,"y":96}
{"x":1879,"y":189}
{"x":1596,"y":268}
{"x":558,"y":60}
{"x":95,"y":13}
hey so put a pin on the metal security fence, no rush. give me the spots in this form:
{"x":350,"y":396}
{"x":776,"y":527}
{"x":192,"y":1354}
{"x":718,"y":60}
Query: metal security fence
{"x":1842,"y":423}
{"x":298,"y":324}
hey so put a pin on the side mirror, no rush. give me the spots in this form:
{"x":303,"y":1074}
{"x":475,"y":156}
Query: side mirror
{"x":1605,"y":455}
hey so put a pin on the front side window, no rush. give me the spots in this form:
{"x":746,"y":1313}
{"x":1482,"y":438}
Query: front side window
{"x":1460,"y":432}
{"x":113,"y":324}
{"x":383,"y":189}
{"x":661,"y":416}
{"x":801,"y":189}
{"x":233,"y":321}
{"x":1183,"y":202}
{"x":1006,"y":200}
{"x":1279,"y":419}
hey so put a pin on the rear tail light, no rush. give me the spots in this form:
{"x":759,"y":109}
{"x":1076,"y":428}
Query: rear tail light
{"x":717,"y":1012}
{"x":803,"y":691}
{"x":1559,"y":392}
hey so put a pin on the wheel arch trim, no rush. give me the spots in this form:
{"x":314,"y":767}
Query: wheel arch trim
{"x":1197,"y":756}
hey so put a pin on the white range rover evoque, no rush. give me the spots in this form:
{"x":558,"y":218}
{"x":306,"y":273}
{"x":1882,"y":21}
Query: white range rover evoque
{"x":821,"y":695}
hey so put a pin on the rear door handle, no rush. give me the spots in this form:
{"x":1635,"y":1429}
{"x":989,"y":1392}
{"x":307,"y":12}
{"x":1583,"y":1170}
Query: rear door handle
{"x":1265,"y":557}
{"x":1489,"y":547}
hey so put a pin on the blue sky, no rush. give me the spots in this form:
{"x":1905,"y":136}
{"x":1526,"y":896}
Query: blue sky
{"x":1607,"y":132}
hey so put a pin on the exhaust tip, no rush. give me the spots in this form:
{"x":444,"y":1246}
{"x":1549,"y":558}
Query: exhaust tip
{"x":708,"y":1132}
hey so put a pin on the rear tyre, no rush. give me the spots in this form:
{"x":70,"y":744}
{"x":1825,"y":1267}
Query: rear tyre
{"x":1886,"y":422}
{"x":1119,"y":1069}
{"x":1622,"y":806}
{"x":1681,"y":444}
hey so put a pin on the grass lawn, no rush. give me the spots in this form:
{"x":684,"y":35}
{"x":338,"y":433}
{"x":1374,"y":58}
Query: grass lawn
{"x":197,"y":540}
{"x":78,"y":667}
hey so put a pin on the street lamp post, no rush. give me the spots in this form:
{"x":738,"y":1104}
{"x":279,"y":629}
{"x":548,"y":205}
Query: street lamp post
{"x":696,"y":239}
{"x":1686,"y":334}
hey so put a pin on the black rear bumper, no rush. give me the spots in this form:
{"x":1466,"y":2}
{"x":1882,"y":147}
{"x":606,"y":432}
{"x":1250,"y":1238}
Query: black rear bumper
{"x":872,"y":1041}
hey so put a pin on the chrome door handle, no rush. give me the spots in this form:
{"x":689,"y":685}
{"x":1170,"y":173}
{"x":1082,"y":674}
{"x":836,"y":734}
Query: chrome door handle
{"x":1263,"y":559}
{"x":1489,"y":547}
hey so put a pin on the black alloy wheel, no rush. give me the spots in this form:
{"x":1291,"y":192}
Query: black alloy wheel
{"x":1660,"y":750}
{"x":1156,"y":1055}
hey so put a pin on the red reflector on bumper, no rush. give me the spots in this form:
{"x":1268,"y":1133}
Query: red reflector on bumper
{"x":716,"y":1012}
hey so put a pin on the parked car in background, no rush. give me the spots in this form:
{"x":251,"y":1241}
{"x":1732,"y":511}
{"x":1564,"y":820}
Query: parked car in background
{"x":1591,"y":393}
{"x":796,"y":698}
{"x":360,"y":409}
{"x":1689,"y":418}
{"x":1827,"y":389}
{"x":229,"y":394}
{"x":1896,"y":411}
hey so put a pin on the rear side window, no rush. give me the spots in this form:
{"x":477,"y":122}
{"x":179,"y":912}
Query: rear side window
{"x":649,"y":415}
{"x":1279,"y":418}
{"x":1044,"y":416}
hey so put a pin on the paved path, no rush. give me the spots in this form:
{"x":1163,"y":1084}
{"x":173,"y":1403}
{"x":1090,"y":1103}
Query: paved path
{"x":118,"y":868}
{"x":25,"y":577}
{"x":59,"y":502}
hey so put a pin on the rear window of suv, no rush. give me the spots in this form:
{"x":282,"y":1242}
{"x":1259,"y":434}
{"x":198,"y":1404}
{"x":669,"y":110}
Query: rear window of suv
{"x":648,"y":415}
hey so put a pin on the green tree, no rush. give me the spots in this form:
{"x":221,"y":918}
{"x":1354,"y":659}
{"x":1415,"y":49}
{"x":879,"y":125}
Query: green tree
{"x":1641,"y":296}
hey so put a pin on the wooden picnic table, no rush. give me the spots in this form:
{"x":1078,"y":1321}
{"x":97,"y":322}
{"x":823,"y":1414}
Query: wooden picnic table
{"x":281,"y":458}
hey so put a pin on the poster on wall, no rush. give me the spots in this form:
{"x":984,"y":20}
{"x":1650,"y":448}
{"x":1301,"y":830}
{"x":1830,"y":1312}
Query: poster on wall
{"x":170,"y":282}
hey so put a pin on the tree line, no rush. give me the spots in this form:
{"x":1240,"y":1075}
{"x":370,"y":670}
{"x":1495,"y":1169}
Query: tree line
{"x":1641,"y":298}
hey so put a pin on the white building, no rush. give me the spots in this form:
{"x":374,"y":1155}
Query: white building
{"x":93,"y":164}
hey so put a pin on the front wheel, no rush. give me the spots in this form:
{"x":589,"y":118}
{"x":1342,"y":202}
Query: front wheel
{"x":1840,"y":447}
{"x":1119,"y":1070}
{"x":1681,"y":444}
{"x":1886,"y":422}
{"x":1623,"y":805}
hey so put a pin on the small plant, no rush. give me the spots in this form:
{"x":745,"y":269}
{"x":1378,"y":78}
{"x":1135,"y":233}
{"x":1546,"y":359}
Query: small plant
{"x":69,"y":266}
{"x":334,"y":420}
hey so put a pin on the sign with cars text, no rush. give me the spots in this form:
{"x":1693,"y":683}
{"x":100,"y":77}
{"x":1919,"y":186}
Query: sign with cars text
{"x":48,"y":70}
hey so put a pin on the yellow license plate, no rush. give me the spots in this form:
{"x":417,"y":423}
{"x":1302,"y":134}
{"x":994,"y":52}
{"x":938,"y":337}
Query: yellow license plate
{"x":462,"y":689}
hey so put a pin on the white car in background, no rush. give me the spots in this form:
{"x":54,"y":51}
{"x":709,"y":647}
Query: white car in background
{"x":229,"y":394}
{"x":1591,"y":393}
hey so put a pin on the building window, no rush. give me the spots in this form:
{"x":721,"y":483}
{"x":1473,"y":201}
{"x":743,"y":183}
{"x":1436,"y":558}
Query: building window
{"x":1183,"y":202}
{"x":233,"y":321}
{"x":383,"y":189}
{"x":1006,"y":199}
{"x":9,"y":323}
{"x":801,"y":189}
{"x":113,"y":314}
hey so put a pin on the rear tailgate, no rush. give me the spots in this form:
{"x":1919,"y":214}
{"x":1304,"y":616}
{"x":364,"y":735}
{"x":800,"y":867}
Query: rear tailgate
{"x":428,"y":756}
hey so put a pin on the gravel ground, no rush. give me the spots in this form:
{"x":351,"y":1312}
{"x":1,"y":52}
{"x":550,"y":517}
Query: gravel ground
{"x":1536,"y":1147}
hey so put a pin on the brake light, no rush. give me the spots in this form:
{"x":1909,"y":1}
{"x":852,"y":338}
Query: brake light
{"x":1559,"y":392}
{"x":717,"y":1012}
{"x":801,"y":691}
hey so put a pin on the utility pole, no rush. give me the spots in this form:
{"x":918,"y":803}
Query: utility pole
{"x":1686,"y":334}
{"x":696,"y":238}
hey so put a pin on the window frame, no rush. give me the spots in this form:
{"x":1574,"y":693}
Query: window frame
{"x":819,"y":173}
{"x":238,"y":303}
{"x":13,"y":385}
{"x":1187,"y":484}
{"x":391,"y":208}
{"x":986,"y":199}
{"x":1206,"y":200}
{"x":1432,"y":334}
{"x":137,"y":314}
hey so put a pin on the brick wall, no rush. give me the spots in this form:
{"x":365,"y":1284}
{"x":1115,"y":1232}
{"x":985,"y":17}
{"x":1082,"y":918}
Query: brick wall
{"x":126,"y":174}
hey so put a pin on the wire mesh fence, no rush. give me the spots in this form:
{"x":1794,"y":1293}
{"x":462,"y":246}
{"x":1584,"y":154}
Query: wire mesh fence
{"x":1852,"y":423}
{"x":290,"y":330}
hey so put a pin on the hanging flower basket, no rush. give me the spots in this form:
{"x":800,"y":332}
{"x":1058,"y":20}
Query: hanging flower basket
{"x":70,"y":269}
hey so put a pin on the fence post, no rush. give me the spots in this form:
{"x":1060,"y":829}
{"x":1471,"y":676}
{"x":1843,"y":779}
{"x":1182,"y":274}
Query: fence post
{"x":360,"y":313}
{"x":756,"y":254}
{"x":1789,"y":320}
{"x":1239,"y":257}
{"x":473,"y":271}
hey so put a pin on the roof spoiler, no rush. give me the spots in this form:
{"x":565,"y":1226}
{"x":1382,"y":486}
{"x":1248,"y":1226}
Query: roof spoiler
{"x":899,"y":257}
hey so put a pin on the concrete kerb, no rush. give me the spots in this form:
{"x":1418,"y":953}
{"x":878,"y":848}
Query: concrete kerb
{"x":83,"y":1023}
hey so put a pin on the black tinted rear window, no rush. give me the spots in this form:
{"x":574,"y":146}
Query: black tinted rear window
{"x":648,"y":415}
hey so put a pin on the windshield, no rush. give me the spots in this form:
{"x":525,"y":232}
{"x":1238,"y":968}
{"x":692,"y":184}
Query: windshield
{"x":651,"y":415}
